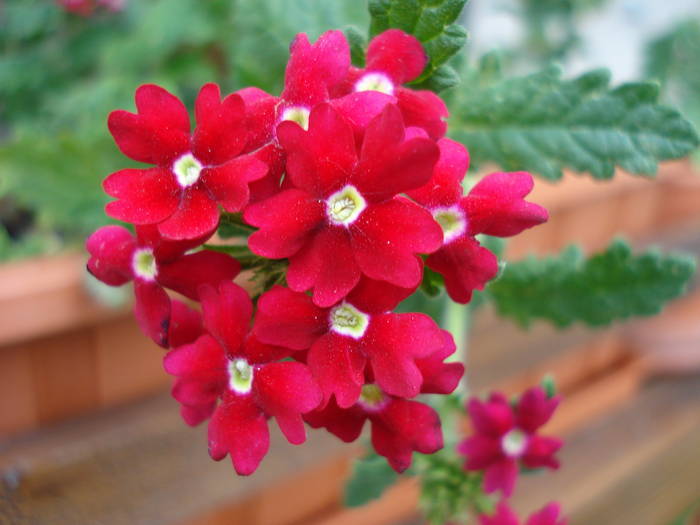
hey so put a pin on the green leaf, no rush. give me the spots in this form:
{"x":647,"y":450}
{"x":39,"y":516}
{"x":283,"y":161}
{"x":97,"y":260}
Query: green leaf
{"x":431,"y":22}
{"x":371,"y":476}
{"x":543,"y":124}
{"x":358,"y":44}
{"x":610,"y":286}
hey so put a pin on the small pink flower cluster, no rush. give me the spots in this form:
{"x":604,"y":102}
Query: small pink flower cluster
{"x":86,"y":8}
{"x":348,"y":181}
{"x":506,"y":437}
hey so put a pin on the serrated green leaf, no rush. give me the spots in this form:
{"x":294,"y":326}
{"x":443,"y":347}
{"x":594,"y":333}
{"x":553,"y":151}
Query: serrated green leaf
{"x":610,"y":286}
{"x":371,"y":476}
{"x":543,"y":124}
{"x":433,"y":23}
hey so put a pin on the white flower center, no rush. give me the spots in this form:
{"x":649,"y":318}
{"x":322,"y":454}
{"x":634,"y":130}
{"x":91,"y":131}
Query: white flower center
{"x":372,"y":398}
{"x":240,"y":376}
{"x":347,"y":320}
{"x":514,"y":443}
{"x":144,"y":264}
{"x":187,"y":170}
{"x":375,"y":82}
{"x":345,"y":206}
{"x":298,"y":114}
{"x":452,"y":221}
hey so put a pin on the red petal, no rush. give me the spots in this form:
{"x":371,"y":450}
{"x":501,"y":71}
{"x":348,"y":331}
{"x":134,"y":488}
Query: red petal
{"x":398,"y":54}
{"x":152,"y":310}
{"x":534,"y":409}
{"x":185,"y":324}
{"x":548,"y":515}
{"x":274,"y":158}
{"x":221,"y":131}
{"x":260,"y":108}
{"x":228,"y":184}
{"x":194,"y":415}
{"x":227,"y":312}
{"x":338,"y":367}
{"x":540,"y":452}
{"x":393,"y":342}
{"x":387,"y":236}
{"x":260,"y":353}
{"x":493,"y":417}
{"x":111,"y":250}
{"x":196,"y":216}
{"x":423,"y":109}
{"x":312,"y":69}
{"x":203,"y":360}
{"x":503,"y":516}
{"x":285,"y":391}
{"x":239,"y":428}
{"x":376,"y":297}
{"x":166,"y":250}
{"x":286,"y":222}
{"x":197,"y":392}
{"x":361,"y":107}
{"x":465,"y":265}
{"x":501,"y":476}
{"x":145,"y":196}
{"x":345,"y":423}
{"x":481,"y":451}
{"x":187,"y":273}
{"x":403,"y":427}
{"x":327,"y":264}
{"x":445,"y":186}
{"x":440,"y":377}
{"x":321,"y":159}
{"x":289,"y":319}
{"x":159,"y":132}
{"x":496,"y":205}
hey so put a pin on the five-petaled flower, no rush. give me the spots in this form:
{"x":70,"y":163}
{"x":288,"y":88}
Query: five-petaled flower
{"x":506,"y":436}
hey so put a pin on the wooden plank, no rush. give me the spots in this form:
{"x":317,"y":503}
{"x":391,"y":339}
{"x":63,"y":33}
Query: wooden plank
{"x":17,"y":395}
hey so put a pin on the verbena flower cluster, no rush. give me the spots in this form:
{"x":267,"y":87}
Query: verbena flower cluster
{"x":351,"y":189}
{"x":505,"y":439}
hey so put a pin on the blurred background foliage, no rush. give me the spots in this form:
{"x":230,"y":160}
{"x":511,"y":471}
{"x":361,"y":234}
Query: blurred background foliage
{"x":61,"y":74}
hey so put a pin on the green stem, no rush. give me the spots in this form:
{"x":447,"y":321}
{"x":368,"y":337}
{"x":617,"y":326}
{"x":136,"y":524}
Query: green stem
{"x":456,"y":319}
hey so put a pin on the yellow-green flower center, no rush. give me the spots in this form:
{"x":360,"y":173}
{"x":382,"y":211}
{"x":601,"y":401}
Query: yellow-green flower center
{"x":345,"y":206}
{"x":144,"y":264}
{"x":375,"y":82}
{"x":348,"y":320}
{"x":372,"y":397}
{"x":298,"y":114}
{"x":240,"y":374}
{"x":452,"y":222}
{"x":187,"y":170}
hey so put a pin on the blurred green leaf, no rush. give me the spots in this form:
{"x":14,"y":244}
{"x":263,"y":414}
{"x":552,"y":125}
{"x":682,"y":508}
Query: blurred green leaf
{"x":371,"y":476}
{"x":610,"y":286}
{"x":543,"y":124}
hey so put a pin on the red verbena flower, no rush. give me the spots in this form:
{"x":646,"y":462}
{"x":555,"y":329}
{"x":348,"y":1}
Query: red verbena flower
{"x":194,"y":173}
{"x":548,"y":515}
{"x":343,"y":218}
{"x":395,"y":58}
{"x":399,"y":426}
{"x":343,"y":339}
{"x":507,"y":436}
{"x":494,"y":206}
{"x":228,"y":375}
{"x":117,"y":257}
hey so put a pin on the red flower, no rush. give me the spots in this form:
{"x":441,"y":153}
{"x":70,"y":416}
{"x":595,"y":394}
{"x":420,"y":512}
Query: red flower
{"x":395,"y":58}
{"x":548,"y":515}
{"x":117,"y":257}
{"x":399,"y":426}
{"x":344,"y":339}
{"x":494,"y":206}
{"x":230,"y":376}
{"x":506,"y":436}
{"x":311,"y":71}
{"x":342,"y":219}
{"x":193,"y":174}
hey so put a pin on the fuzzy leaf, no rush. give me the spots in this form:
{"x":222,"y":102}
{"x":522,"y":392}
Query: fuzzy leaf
{"x":543,"y":124}
{"x":371,"y":476}
{"x":606,"y":287}
{"x":433,"y":23}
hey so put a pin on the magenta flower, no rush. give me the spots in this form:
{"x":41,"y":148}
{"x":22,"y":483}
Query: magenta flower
{"x":343,"y":218}
{"x":154,"y":263}
{"x":494,"y":206}
{"x":347,"y":337}
{"x":507,"y":436}
{"x":230,"y":376}
{"x":548,"y":515}
{"x":194,"y":173}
